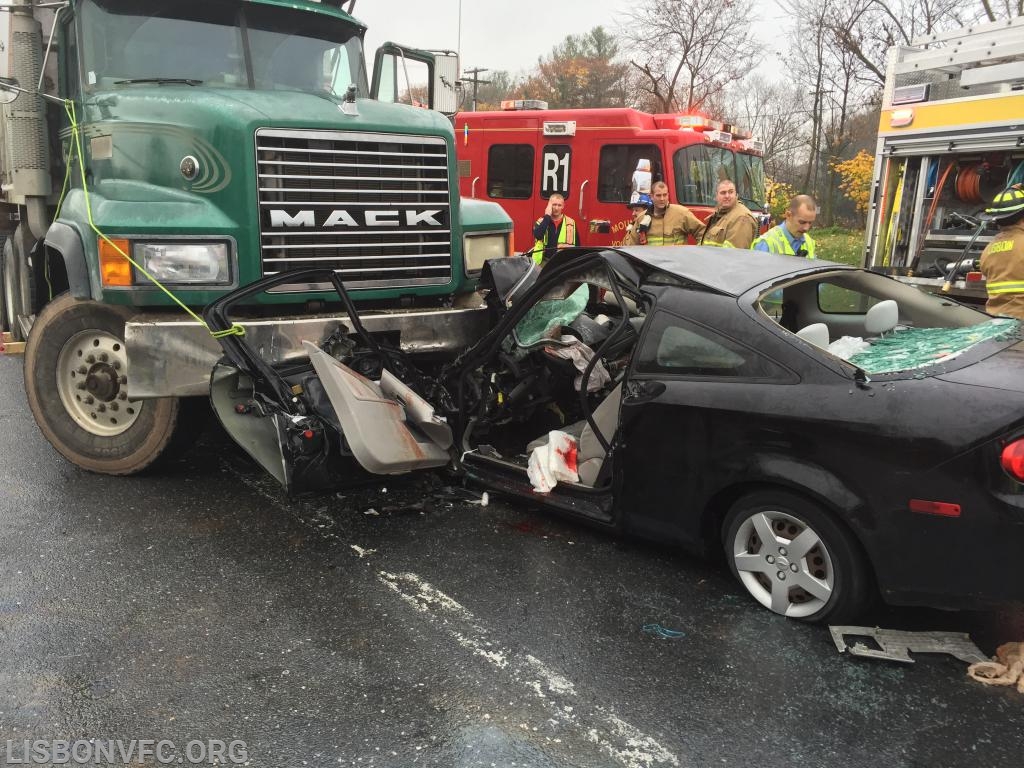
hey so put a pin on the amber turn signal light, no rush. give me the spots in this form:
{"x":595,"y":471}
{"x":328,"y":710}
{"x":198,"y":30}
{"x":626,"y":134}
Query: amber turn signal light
{"x":115,"y":269}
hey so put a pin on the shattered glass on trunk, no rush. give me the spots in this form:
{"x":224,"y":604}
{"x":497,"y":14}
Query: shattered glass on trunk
{"x":911,"y":348}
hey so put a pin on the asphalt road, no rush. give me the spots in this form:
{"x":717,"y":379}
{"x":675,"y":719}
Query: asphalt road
{"x":408,"y":626}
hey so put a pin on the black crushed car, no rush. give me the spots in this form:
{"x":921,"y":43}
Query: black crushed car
{"x":833,"y":432}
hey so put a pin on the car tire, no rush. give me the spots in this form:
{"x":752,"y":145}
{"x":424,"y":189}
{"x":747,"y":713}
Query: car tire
{"x":76,"y":382}
{"x":811,"y":567}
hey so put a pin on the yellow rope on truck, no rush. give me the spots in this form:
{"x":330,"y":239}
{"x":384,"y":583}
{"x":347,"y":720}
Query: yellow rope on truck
{"x":69,"y":107}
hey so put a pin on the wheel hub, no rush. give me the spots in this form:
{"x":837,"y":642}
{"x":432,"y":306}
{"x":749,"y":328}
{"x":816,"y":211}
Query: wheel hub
{"x":92,"y":383}
{"x":102,"y":382}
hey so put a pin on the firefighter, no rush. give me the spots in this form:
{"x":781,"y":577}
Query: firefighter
{"x":553,"y":230}
{"x":1002,"y":261}
{"x":790,"y":238}
{"x":640,"y":224}
{"x":732,"y":225}
{"x":670,"y":223}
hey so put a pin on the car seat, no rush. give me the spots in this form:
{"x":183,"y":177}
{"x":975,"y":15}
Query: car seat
{"x":881,"y":318}
{"x":816,"y":334}
{"x":590,"y":453}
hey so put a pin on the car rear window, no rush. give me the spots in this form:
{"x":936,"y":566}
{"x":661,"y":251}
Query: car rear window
{"x":912,"y":348}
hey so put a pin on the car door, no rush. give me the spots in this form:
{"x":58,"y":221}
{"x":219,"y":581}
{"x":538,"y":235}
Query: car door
{"x":692,"y":398}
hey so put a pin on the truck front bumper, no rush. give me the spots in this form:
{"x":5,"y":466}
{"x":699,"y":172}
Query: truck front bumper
{"x":172,"y":356}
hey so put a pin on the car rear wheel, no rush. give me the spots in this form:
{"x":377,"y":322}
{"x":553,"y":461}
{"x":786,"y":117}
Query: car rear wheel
{"x":794,"y":559}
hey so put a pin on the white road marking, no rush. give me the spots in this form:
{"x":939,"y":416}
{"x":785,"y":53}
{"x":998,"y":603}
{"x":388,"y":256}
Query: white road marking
{"x":614,"y":736}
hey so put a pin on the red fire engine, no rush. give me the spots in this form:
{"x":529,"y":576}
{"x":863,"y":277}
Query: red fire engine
{"x":522,"y":155}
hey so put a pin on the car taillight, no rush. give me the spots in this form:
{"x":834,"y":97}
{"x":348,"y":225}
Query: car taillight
{"x":1012,"y":460}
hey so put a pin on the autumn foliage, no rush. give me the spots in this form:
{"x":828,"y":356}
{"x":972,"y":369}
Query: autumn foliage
{"x":856,"y":178}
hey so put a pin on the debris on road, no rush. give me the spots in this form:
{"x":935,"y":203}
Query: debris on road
{"x":1006,"y":668}
{"x":896,"y":645}
{"x":663,"y":632}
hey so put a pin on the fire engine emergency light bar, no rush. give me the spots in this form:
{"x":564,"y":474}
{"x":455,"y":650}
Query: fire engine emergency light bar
{"x":516,"y":104}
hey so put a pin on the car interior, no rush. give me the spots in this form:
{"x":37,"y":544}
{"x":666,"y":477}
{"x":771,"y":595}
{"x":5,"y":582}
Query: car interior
{"x":858,"y":315}
{"x":578,"y":336}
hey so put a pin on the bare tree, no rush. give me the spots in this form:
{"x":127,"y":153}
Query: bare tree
{"x":688,"y":51}
{"x":776,"y":113}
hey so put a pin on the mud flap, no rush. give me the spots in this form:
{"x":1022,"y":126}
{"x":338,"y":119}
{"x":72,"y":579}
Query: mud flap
{"x":388,"y":427}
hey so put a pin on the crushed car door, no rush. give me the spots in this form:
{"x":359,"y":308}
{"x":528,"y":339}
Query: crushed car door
{"x":301,"y":419}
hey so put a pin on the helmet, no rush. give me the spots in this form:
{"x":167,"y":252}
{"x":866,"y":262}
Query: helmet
{"x":643,"y":200}
{"x":1007,"y":204}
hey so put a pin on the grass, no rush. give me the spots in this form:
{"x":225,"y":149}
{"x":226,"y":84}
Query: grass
{"x":837,"y":244}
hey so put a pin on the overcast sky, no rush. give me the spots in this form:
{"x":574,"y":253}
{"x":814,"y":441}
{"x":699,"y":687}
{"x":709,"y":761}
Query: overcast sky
{"x":512,"y":34}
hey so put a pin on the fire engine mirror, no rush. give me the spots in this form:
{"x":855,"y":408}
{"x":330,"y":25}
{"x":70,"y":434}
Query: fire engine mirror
{"x":9,"y":90}
{"x":600,"y":226}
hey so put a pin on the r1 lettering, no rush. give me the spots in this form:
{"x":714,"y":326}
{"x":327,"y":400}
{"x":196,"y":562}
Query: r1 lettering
{"x":555,"y":165}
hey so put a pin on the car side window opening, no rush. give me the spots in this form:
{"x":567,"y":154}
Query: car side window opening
{"x":698,"y":169}
{"x":679,"y":347}
{"x":618,"y":163}
{"x":510,"y":171}
{"x":835,"y":299}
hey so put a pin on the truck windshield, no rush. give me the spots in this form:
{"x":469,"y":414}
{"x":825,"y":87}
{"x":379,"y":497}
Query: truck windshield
{"x":699,"y":168}
{"x":233,"y":44}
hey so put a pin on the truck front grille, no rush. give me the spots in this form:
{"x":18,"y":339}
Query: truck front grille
{"x":373,"y":207}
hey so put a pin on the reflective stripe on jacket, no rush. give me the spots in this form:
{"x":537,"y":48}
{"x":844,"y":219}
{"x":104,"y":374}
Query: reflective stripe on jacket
{"x":777,"y":242}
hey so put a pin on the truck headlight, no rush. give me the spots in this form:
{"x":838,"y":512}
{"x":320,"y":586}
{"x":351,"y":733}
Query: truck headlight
{"x":480,"y":248}
{"x":184,"y":263}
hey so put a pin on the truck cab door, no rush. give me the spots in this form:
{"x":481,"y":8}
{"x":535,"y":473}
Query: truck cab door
{"x":428,"y":79}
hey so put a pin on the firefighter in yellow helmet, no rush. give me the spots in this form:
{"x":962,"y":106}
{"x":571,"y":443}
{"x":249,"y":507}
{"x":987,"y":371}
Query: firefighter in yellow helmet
{"x":1002,"y":261}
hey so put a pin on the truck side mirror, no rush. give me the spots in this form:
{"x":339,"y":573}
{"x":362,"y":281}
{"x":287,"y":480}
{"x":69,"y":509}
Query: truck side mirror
{"x":411,"y":76}
{"x":9,"y":90}
{"x":447,"y":91}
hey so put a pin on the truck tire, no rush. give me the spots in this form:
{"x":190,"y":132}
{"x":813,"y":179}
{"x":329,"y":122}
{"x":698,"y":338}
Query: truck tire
{"x":76,"y":372}
{"x":11,"y":300}
{"x":3,"y":301}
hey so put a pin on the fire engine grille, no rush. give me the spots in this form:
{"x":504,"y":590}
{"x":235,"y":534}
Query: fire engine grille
{"x":373,"y":207}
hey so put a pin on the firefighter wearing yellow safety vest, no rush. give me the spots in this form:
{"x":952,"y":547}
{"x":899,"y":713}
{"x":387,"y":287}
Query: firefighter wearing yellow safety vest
{"x":553,"y":230}
{"x":732,"y":225}
{"x":670,"y":223}
{"x":790,"y":238}
{"x":1002,"y":261}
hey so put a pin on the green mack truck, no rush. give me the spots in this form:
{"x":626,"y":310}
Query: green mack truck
{"x":221,"y":142}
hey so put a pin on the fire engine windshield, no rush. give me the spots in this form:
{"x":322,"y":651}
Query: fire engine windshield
{"x":699,"y":168}
{"x":231,"y":44}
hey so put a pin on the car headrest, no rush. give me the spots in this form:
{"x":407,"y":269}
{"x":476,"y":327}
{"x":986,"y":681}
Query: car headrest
{"x":816,"y":334}
{"x":881,"y":318}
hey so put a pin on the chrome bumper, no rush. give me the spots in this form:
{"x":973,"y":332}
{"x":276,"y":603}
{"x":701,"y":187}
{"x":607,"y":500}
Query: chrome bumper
{"x":174,"y":357}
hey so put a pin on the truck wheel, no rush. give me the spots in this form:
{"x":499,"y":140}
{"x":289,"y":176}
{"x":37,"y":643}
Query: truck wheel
{"x":11,"y":301}
{"x":76,"y":376}
{"x":3,"y":290}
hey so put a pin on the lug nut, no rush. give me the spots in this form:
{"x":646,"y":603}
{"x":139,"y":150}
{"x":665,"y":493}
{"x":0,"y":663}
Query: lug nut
{"x":113,"y":406}
{"x":101,"y":408}
{"x":122,"y":396}
{"x":90,"y":359}
{"x":83,"y":370}
{"x":89,"y":400}
{"x":80,"y":385}
{"x":117,"y":365}
{"x":782,"y":551}
{"x":770,"y":559}
{"x":104,"y":357}
{"x":782,"y":575}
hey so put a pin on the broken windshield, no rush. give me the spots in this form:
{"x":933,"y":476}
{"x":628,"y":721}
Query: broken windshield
{"x":224,"y":44}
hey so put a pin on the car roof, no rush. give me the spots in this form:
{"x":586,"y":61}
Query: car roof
{"x":733,"y":271}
